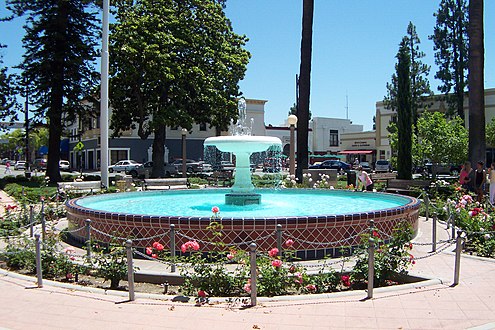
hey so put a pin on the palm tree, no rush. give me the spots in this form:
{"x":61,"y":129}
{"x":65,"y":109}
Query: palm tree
{"x":304,"y":88}
{"x":477,"y":139}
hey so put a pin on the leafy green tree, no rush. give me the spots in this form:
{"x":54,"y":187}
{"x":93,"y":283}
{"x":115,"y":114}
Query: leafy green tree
{"x":490,"y":133}
{"x":439,"y":139}
{"x":404,"y":112}
{"x":442,"y":140}
{"x":450,"y":38}
{"x":304,"y":88}
{"x":60,"y":42}
{"x":420,"y":86}
{"x":8,"y":103}
{"x":477,"y":143}
{"x":173,"y":63}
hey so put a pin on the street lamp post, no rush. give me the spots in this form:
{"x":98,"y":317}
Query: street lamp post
{"x":292,"y":120}
{"x":184,"y":169}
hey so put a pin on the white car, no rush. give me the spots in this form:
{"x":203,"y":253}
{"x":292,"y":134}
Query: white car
{"x":20,"y":165}
{"x":383,"y":166}
{"x":124,"y":166}
{"x":64,"y":165}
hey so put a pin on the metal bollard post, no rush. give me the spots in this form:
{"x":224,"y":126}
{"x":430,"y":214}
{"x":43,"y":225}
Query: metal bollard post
{"x":434,"y":233}
{"x":31,"y":220}
{"x":452,"y":222}
{"x":172,"y":247}
{"x":39,"y":274}
{"x":371,"y":227}
{"x":279,"y":239}
{"x":88,"y":237}
{"x":130,"y":270}
{"x":427,"y":206}
{"x":252,"y":263}
{"x":43,"y":224}
{"x":458,"y":249}
{"x":371,"y":266}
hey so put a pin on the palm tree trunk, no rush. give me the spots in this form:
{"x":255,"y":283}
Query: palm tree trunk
{"x":304,"y":88}
{"x":477,"y":138}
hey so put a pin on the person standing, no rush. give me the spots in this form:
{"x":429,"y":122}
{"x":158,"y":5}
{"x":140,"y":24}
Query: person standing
{"x":479,"y":182}
{"x":469,"y":178}
{"x":491,"y":179}
{"x":364,"y":179}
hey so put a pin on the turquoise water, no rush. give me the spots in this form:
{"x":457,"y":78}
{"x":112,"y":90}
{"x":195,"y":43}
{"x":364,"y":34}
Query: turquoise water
{"x":275,"y":203}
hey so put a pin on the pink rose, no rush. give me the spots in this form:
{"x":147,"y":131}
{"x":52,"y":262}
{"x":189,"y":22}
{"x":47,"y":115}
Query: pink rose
{"x":159,"y":247}
{"x":273,"y":252}
{"x":289,"y":243}
{"x":230,"y":256}
{"x":311,"y":287}
{"x":276,"y":263}
{"x":215,"y":209}
{"x":149,"y":250}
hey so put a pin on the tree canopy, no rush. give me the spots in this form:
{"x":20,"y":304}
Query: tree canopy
{"x":420,"y":86}
{"x":174,"y":63}
{"x":58,"y":64}
{"x":450,"y":38}
{"x":8,"y":102}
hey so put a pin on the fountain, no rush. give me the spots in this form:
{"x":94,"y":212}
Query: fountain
{"x":242,"y":144}
{"x":319,"y":221}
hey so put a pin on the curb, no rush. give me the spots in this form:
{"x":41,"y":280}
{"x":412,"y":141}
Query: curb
{"x":361,"y":293}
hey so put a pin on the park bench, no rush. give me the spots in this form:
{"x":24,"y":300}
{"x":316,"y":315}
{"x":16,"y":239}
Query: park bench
{"x":80,"y":186}
{"x":383,"y":177}
{"x":224,"y":178}
{"x":165,"y":184}
{"x":406,"y":187}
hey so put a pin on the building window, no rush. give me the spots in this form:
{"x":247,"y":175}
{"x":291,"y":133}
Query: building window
{"x":334,"y":138}
{"x":202,"y":127}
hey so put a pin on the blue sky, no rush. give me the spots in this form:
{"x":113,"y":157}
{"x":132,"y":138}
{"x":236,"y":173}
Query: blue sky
{"x":354,"y":48}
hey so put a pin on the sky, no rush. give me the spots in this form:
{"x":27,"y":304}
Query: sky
{"x":354,"y":47}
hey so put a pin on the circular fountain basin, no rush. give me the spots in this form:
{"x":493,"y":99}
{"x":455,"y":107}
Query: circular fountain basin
{"x":318,"y":221}
{"x":242,"y":143}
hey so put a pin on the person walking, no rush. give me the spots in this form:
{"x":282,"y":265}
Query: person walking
{"x":491,"y":179}
{"x":479,"y":182}
{"x":7,"y":168}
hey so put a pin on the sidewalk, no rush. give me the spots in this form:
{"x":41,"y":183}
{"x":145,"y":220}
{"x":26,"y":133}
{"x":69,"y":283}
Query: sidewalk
{"x":470,"y":304}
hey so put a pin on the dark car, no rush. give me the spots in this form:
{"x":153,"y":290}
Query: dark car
{"x":332,"y":164}
{"x":39,"y":164}
{"x":192,"y":166}
{"x":272,"y":165}
{"x":140,"y":171}
{"x":448,"y":169}
{"x":366,"y":166}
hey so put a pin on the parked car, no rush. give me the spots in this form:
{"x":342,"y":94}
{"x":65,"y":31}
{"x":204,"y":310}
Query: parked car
{"x":366,"y":167}
{"x":6,"y":160}
{"x":192,"y":166}
{"x":332,"y":164}
{"x":64,"y":165}
{"x":226,"y":166}
{"x":39,"y":164}
{"x":448,"y":169}
{"x":272,"y":165}
{"x":140,"y":171}
{"x":123,"y":166}
{"x":20,"y":165}
{"x":383,"y":166}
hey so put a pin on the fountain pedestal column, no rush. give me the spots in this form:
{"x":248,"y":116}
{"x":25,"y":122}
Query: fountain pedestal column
{"x":242,"y":190}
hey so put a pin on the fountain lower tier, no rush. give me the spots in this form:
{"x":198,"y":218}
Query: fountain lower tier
{"x":242,"y":147}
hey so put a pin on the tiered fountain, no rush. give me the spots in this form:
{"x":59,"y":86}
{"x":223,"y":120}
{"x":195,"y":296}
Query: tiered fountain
{"x":242,"y":144}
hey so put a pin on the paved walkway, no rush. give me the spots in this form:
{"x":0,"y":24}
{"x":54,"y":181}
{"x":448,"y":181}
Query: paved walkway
{"x":471,"y":304}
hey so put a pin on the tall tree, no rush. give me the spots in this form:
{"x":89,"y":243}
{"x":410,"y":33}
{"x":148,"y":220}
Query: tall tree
{"x":450,"y":38}
{"x":58,"y":63}
{"x":8,"y":103}
{"x":304,"y":88}
{"x":420,"y":86}
{"x":174,"y":63}
{"x":404,"y":111}
{"x":477,"y":137}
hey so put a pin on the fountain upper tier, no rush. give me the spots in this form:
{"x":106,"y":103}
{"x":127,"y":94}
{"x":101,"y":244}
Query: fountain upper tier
{"x":243,"y":143}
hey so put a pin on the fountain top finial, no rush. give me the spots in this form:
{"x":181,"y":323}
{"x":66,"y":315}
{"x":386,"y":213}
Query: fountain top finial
{"x":241,"y":127}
